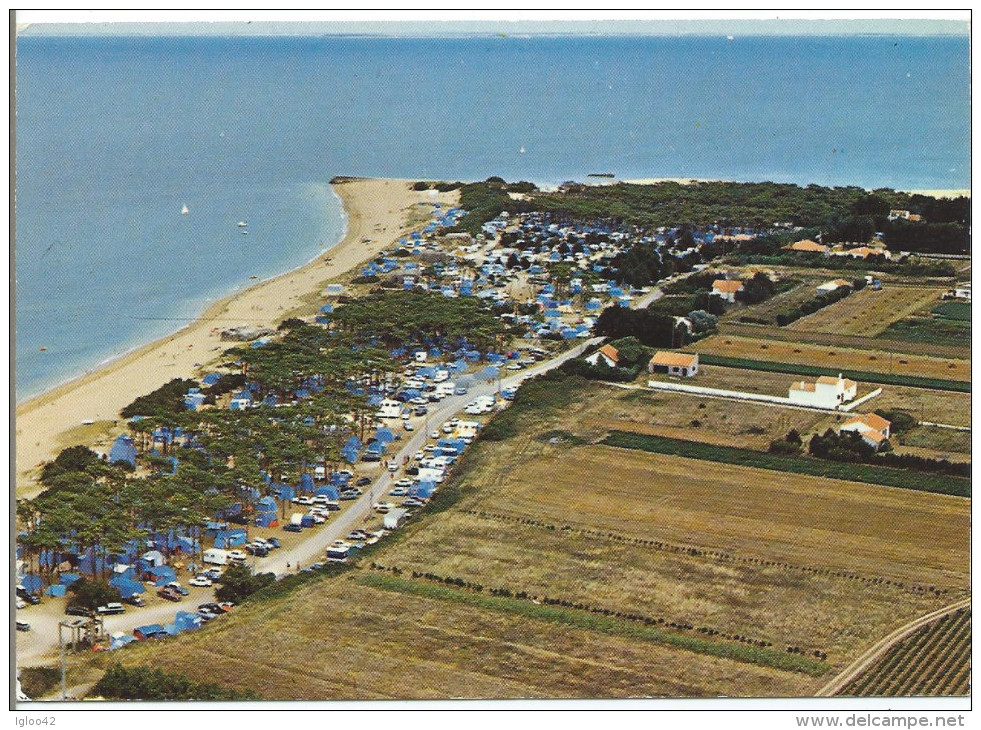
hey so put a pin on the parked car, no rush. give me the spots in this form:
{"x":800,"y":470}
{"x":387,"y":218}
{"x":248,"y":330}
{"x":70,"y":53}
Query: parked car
{"x":434,"y":434}
{"x":21,"y":603}
{"x":357,"y":535}
{"x":23,"y":625}
{"x":214,"y":573}
{"x":110,"y":609}
{"x":347,"y":496}
{"x":27,"y":596}
{"x":412,"y":502}
{"x":383,"y":507}
{"x":408,"y":426}
{"x":273,"y":542}
{"x":303,"y":500}
{"x":363,"y":482}
{"x":399,"y":492}
{"x":292,"y":528}
{"x":412,"y":471}
{"x":422,"y":410}
{"x":179,"y":588}
{"x":201,"y":581}
{"x":79,"y":611}
{"x":210,"y":608}
{"x":318,"y":566}
{"x":169,"y":593}
{"x":237,"y":555}
{"x":206,"y":616}
{"x":135,"y":600}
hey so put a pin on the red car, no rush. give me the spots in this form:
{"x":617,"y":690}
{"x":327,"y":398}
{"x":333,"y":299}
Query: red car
{"x":169,"y":593}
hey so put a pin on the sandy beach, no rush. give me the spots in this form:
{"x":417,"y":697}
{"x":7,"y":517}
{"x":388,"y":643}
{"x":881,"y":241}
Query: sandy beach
{"x":378,"y":210}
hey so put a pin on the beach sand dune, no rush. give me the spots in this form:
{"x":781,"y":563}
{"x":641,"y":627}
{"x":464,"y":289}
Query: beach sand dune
{"x":377,"y":209}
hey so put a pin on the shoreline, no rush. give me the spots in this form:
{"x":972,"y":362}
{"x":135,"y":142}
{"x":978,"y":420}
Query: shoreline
{"x":208,"y":303}
{"x":376,"y":209}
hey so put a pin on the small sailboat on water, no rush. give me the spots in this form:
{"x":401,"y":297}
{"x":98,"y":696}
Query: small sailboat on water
{"x":184,"y":210}
{"x":242,"y":224}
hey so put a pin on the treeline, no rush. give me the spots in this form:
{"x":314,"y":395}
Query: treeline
{"x":146,"y":683}
{"x":651,"y":328}
{"x":483,"y":201}
{"x":849,"y":447}
{"x":818,"y":302}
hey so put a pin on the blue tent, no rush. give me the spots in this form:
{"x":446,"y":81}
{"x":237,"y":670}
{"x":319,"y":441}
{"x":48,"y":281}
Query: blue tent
{"x":56,"y":591}
{"x":149,"y":630}
{"x":376,"y":447}
{"x":123,"y":449}
{"x":66,"y":579}
{"x":266,"y":504}
{"x":423,"y":490}
{"x":211,"y":378}
{"x":162,"y":575}
{"x":230,"y":538}
{"x":339,"y":479}
{"x":385,"y":435}
{"x":350,"y":455}
{"x":187,"y":621}
{"x":331,"y":492}
{"x":283,"y":491}
{"x":127,"y":587}
{"x":266,"y":519}
{"x":31,"y":582}
{"x":306,"y":484}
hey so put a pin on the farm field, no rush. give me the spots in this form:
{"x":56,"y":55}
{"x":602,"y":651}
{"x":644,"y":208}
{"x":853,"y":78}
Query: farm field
{"x":880,"y":344}
{"x":836,"y":357}
{"x":343,"y":639}
{"x":938,"y":439}
{"x":767,"y":311}
{"x":948,"y":323}
{"x":928,"y":405}
{"x":934,"y":661}
{"x":867,"y":312}
{"x":603,"y":572}
{"x":679,"y":415}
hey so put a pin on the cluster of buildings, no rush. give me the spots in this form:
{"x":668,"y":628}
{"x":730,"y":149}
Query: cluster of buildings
{"x":850,"y":250}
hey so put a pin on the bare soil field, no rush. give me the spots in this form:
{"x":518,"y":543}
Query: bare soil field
{"x":679,"y":415}
{"x":867,"y":313}
{"x":832,"y":356}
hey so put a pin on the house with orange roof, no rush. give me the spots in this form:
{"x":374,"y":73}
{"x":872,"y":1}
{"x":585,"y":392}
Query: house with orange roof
{"x":608,"y":354}
{"x":862,"y":252}
{"x":727,"y":288}
{"x":873,"y":428}
{"x":826,"y":392}
{"x":807,"y":246}
{"x":682,"y":364}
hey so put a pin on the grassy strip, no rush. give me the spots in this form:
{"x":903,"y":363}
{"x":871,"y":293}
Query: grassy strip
{"x":910,"y":381}
{"x":865,"y":473}
{"x":615,"y":627}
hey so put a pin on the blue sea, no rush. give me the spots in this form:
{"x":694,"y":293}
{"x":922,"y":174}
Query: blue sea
{"x":116,"y":134}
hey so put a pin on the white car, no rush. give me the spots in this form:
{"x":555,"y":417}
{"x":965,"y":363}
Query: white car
{"x":403,"y":483}
{"x":399,"y":492}
{"x":318,"y":518}
{"x":200,"y":581}
{"x":303,"y":500}
{"x":514,"y":366}
{"x":383,"y":507}
{"x":434,"y":434}
{"x":408,"y":426}
{"x":406,"y":415}
{"x":237,"y":555}
{"x":419,"y":455}
{"x":447,"y":428}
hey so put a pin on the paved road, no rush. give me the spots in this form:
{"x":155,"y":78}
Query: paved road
{"x":881,"y":647}
{"x":313,"y":549}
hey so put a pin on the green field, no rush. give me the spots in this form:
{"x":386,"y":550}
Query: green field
{"x":960,"y":311}
{"x":814,"y":370}
{"x":865,"y":473}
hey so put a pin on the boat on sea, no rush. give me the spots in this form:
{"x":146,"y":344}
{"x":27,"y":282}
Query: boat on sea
{"x":184,"y":210}
{"x":44,"y":349}
{"x":242,"y":224}
{"x":245,"y":232}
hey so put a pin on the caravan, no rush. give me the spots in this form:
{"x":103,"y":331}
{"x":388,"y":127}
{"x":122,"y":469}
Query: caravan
{"x":215,"y":556}
{"x":389,"y":408}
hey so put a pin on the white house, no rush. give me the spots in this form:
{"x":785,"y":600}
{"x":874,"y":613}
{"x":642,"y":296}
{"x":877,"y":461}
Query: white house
{"x":963,"y":292}
{"x":727,"y":289}
{"x":873,"y":428}
{"x":608,"y":354}
{"x":825,"y":392}
{"x":829,"y":286}
{"x":674,"y":363}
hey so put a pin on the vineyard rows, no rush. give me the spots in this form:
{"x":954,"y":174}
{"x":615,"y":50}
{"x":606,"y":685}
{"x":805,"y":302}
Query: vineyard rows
{"x":933,"y":661}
